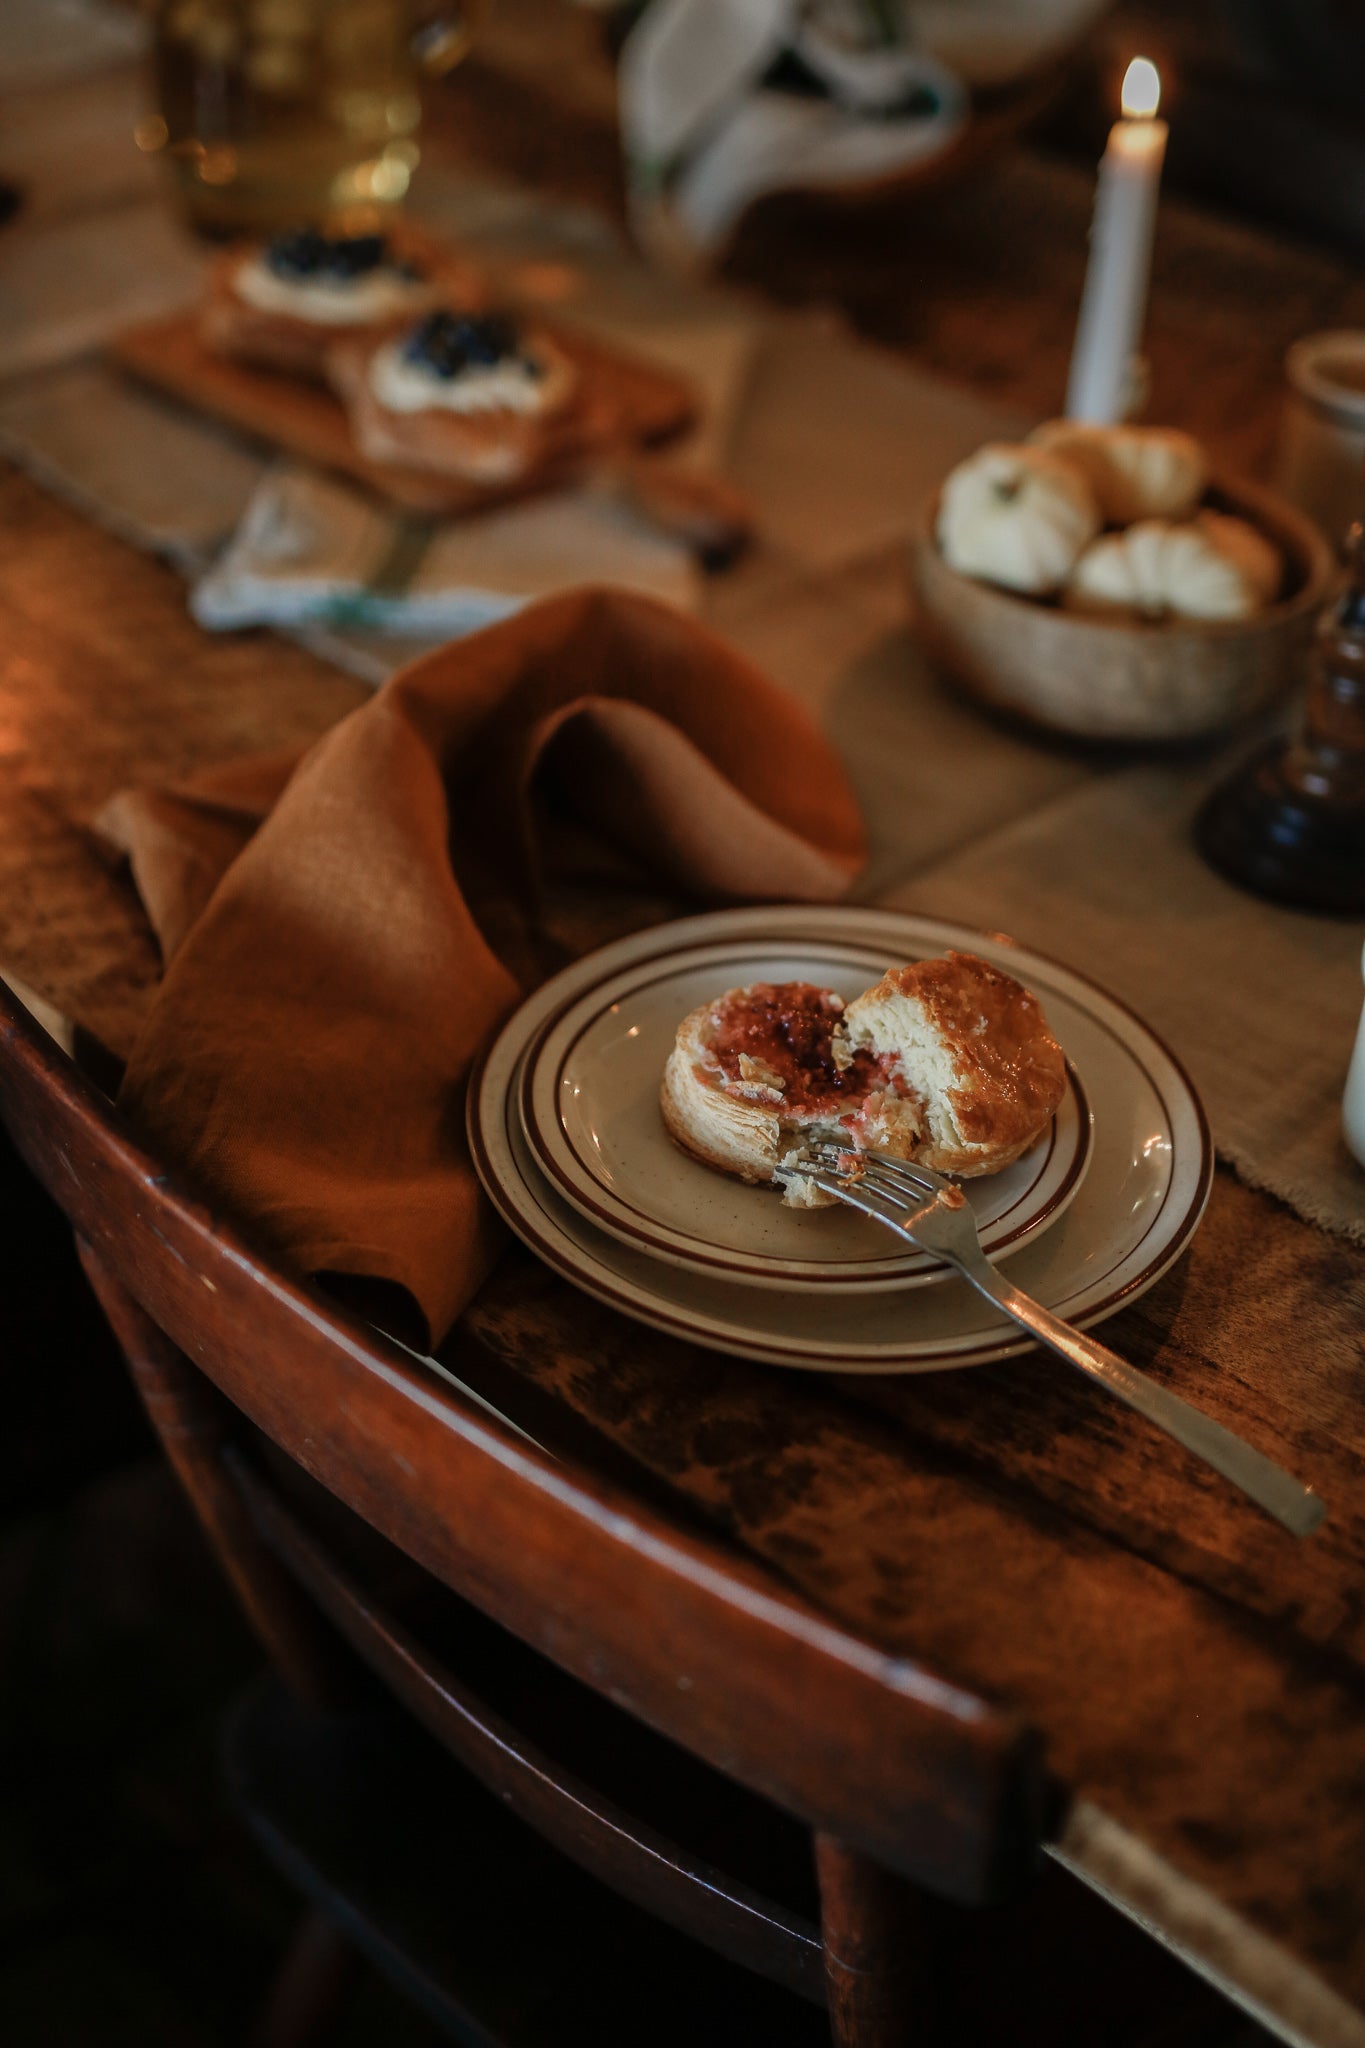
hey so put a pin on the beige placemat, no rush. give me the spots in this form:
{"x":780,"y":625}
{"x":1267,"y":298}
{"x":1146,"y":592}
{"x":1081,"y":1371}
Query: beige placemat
{"x":161,"y":477}
{"x":70,"y":284}
{"x":1260,"y":1003}
{"x":69,"y":145}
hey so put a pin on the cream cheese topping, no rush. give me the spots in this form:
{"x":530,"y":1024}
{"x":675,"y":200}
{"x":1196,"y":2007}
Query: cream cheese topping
{"x":378,"y":294}
{"x":525,"y":384}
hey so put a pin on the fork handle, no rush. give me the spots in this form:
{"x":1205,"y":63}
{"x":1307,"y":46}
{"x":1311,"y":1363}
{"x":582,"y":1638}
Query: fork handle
{"x":1292,"y":1504}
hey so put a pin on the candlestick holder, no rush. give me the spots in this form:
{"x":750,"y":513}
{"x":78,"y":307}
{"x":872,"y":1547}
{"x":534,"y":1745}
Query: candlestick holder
{"x":1290,"y":824}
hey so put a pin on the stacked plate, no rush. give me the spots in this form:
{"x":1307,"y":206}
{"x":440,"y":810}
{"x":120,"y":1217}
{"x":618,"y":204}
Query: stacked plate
{"x":566,"y":1134}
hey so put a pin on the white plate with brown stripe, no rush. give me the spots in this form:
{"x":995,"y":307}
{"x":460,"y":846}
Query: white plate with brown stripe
{"x":1128,"y":1217}
{"x":588,"y":1098}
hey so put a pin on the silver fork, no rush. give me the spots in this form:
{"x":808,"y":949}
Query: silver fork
{"x":933,"y":1213}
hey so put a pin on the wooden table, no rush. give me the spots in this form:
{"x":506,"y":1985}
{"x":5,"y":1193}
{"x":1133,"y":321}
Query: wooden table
{"x":1196,"y":1676}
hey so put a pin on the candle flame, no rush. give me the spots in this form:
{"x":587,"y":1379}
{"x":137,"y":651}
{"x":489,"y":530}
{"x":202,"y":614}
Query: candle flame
{"x":1141,"y":90}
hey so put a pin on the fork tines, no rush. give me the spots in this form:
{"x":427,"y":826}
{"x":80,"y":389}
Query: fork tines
{"x":900,"y":1176}
{"x":893,"y":1202}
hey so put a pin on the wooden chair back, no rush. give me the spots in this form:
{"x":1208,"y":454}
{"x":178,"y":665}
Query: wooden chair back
{"x":894,"y":1770}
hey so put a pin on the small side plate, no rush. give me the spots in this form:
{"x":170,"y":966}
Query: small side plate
{"x":589,"y":1103}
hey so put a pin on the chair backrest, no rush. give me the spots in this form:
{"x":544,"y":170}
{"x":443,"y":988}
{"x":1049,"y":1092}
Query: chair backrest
{"x":868,"y":1749}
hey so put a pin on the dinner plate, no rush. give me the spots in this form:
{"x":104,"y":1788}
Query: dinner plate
{"x":1133,"y":1214}
{"x":589,"y":1104}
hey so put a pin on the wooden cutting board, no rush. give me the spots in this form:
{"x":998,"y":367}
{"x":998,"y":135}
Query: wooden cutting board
{"x":633,"y":405}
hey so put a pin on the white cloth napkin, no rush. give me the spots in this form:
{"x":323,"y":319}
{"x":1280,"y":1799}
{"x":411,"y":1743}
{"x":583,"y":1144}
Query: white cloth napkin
{"x":723,"y":100}
{"x":310,"y":551}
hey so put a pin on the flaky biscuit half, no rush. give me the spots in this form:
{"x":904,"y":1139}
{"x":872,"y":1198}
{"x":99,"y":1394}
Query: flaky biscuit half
{"x":947,"y":1061}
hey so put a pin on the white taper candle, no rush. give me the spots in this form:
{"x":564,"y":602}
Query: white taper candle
{"x":1353,"y":1105}
{"x":1104,"y":363}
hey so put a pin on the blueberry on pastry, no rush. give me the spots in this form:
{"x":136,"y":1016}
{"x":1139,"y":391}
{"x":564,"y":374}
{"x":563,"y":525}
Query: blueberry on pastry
{"x":467,"y":395}
{"x":946,"y":1061}
{"x":283,"y":303}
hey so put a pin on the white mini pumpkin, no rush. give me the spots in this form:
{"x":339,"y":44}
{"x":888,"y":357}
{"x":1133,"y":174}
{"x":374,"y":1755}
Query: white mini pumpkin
{"x":1016,"y":516}
{"x":1259,"y":560}
{"x":1212,"y":567}
{"x":1134,"y":472}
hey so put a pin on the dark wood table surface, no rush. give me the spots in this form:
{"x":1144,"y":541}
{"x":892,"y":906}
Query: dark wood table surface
{"x":1198,"y":1677}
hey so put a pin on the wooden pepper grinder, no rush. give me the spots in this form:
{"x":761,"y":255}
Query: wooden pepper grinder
{"x":1290,"y":825}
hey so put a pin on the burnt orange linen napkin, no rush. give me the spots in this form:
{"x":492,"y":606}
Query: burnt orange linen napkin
{"x":343,"y":932}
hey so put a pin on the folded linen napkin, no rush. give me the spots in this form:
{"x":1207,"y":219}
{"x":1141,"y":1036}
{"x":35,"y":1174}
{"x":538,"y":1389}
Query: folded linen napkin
{"x":312,"y":551}
{"x":343,"y":932}
{"x":724,"y":100}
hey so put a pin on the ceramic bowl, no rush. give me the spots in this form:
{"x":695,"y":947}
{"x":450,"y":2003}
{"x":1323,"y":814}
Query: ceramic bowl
{"x":1124,"y":678}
